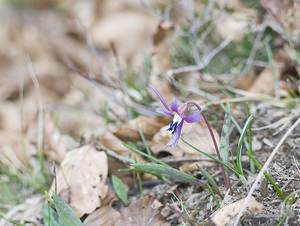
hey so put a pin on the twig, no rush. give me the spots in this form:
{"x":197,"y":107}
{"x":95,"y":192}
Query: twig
{"x":205,"y":60}
{"x":261,"y":172}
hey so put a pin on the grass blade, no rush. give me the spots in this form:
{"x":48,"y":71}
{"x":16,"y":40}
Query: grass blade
{"x":50,"y":217}
{"x":211,"y":157}
{"x":144,"y":140}
{"x":144,"y":154}
{"x":277,"y":189}
{"x":252,"y":166}
{"x":119,"y":188}
{"x":271,"y":63}
{"x":163,"y":171}
{"x":240,"y":144}
{"x":66,"y":215}
{"x":214,"y":195}
{"x":210,"y":179}
{"x":224,"y":141}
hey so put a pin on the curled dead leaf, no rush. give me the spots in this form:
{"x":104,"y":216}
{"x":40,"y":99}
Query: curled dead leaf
{"x":81,"y":179}
{"x":142,"y":212}
{"x":228,"y":212}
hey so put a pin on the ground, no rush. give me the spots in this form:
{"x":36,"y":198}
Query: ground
{"x":75,"y":98}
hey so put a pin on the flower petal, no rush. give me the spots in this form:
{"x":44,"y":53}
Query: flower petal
{"x":174,"y":106}
{"x":160,"y":97}
{"x":175,"y":138}
{"x":164,"y":111}
{"x":195,"y":117}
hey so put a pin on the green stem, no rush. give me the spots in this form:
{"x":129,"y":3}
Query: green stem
{"x":211,"y":157}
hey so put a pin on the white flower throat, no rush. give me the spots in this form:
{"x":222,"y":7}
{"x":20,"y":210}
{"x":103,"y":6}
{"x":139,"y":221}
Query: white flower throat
{"x":174,"y":124}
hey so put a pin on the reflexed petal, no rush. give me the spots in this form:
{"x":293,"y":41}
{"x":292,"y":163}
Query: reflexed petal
{"x":174,"y":106}
{"x":164,"y":111}
{"x":175,"y":138}
{"x":160,"y":97}
{"x":195,"y":117}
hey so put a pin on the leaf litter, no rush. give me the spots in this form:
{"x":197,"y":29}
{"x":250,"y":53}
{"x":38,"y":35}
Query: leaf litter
{"x":104,"y":103}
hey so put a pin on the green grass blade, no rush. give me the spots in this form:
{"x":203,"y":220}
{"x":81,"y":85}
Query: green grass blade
{"x":240,"y":144}
{"x":210,"y":179}
{"x":252,"y":166}
{"x":50,"y":217}
{"x":214,"y":195}
{"x":211,"y":157}
{"x":144,"y":140}
{"x":157,"y":169}
{"x":271,"y":63}
{"x":291,"y":201}
{"x":119,"y":188}
{"x":224,"y":141}
{"x":272,"y":182}
{"x":10,"y":220}
{"x":235,"y":123}
{"x":144,"y":154}
{"x":66,"y":215}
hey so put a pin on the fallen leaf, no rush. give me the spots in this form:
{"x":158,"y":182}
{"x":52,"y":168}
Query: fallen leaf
{"x":142,"y":212}
{"x":225,"y":214}
{"x":133,"y":40}
{"x":196,"y":134}
{"x":105,"y":215}
{"x":246,"y":81}
{"x":148,"y":124}
{"x":81,"y":179}
{"x":265,"y":81}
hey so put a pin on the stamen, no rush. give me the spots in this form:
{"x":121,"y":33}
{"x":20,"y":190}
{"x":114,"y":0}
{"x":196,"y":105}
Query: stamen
{"x":171,"y":126}
{"x":174,"y":128}
{"x":174,"y":124}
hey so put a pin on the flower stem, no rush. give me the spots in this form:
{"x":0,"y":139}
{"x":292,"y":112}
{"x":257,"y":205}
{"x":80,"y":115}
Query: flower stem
{"x":226,"y":181}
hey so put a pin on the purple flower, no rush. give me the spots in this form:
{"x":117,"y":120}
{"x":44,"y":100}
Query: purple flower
{"x":179,"y":115}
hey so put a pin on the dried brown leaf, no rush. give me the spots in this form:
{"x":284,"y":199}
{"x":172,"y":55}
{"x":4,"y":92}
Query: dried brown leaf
{"x":133,"y":40}
{"x":148,"y":124}
{"x":228,"y":212}
{"x":142,"y":212}
{"x":81,"y":179}
{"x":105,"y":215}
